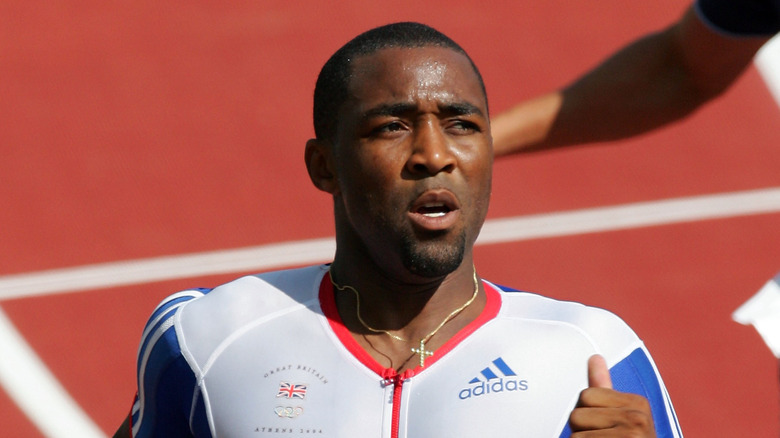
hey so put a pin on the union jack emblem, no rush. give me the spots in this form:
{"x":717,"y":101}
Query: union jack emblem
{"x":292,"y":390}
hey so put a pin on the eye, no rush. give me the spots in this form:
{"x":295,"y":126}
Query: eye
{"x":388,"y":129}
{"x":462,"y":127}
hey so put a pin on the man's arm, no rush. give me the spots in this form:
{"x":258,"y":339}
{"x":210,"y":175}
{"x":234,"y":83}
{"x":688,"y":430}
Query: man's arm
{"x":653,"y":81}
{"x":163,"y":402}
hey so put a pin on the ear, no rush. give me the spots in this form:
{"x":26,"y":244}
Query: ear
{"x":318,"y":156}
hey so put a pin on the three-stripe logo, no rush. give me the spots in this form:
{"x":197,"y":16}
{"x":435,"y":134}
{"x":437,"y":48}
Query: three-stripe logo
{"x":495,"y":378}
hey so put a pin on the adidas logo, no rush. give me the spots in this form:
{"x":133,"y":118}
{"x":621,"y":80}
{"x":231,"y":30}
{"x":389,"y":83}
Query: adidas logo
{"x":498,"y":377}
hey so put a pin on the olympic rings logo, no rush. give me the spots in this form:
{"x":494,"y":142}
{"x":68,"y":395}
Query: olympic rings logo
{"x":288,"y":411}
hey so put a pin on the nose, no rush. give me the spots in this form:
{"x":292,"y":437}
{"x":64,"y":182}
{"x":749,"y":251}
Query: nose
{"x":431,"y":150}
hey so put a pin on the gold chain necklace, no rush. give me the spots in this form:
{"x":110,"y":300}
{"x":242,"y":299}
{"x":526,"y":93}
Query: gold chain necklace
{"x":421,"y":351}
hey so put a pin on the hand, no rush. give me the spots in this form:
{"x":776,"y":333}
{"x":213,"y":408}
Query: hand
{"x":601,"y":411}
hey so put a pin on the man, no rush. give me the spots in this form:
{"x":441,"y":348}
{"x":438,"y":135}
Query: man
{"x":653,"y":81}
{"x":397,"y":337}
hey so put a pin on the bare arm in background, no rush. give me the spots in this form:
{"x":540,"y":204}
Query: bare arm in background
{"x":655,"y":80}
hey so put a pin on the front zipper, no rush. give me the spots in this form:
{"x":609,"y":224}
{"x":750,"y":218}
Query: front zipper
{"x":397,"y":380}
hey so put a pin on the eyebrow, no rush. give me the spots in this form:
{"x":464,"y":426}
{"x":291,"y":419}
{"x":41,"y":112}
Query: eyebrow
{"x":398,"y":109}
{"x":461,"y":109}
{"x":390,"y":109}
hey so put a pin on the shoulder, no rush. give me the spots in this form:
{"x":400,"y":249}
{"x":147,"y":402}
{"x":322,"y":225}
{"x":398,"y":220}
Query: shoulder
{"x":631,"y":365}
{"x":257,"y":295}
{"x":607,"y":332}
{"x":188,"y":326}
{"x":206,"y":323}
{"x":202,"y":314}
{"x":161,"y":320}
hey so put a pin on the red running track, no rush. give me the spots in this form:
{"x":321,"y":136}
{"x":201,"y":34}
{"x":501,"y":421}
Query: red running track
{"x":134,"y":130}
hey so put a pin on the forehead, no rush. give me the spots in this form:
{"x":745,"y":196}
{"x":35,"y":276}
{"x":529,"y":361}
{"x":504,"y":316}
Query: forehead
{"x":410,"y":74}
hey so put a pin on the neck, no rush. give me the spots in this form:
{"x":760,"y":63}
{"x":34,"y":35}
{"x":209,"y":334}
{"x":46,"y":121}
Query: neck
{"x":397,"y":300}
{"x":396,"y":317}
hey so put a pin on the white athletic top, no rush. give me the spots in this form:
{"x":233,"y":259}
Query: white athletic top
{"x":267,"y":356}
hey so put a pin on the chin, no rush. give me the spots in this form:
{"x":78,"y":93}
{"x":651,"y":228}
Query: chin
{"x":433,"y":259}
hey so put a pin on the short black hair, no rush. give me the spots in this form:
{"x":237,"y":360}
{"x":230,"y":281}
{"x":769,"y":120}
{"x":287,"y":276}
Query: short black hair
{"x":330,"y":91}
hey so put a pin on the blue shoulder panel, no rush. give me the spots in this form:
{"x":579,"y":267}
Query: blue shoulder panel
{"x":166,"y":383}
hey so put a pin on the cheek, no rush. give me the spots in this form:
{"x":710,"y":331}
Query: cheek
{"x":478,"y":170}
{"x":367,"y":195}
{"x":480,"y":181}
{"x":370,"y":176}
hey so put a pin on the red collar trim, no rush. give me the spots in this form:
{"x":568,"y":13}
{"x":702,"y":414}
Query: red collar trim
{"x":328,"y":305}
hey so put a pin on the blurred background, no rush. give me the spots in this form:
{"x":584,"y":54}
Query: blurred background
{"x":147,"y":147}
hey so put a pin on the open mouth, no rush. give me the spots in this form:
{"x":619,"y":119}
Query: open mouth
{"x":435,"y":210}
{"x":438,"y":209}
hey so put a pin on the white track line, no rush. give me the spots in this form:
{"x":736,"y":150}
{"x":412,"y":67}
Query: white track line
{"x":37,"y":392}
{"x":106,"y":275}
{"x":641,"y":214}
{"x":264,"y":257}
